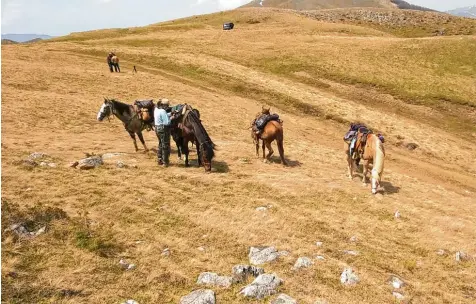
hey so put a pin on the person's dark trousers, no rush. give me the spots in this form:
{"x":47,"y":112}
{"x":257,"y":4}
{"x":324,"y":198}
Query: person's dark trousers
{"x":163,"y":151}
{"x":110,"y":66}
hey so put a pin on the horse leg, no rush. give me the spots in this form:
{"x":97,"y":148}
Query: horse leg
{"x":133,"y":136}
{"x":198,"y":154}
{"x":257,"y":148}
{"x":264,"y":149}
{"x":348,"y":159}
{"x":185,"y":151}
{"x":365,"y":171}
{"x":281,"y":151}
{"x":270,"y":149}
{"x":141,"y":138}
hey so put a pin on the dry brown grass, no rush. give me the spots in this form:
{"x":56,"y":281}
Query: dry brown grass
{"x":52,"y":91}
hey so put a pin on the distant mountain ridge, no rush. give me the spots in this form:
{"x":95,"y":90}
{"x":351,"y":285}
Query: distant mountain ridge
{"x":469,"y":12}
{"x":327,"y":4}
{"x":24,"y":37}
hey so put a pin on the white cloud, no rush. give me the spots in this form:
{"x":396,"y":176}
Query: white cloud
{"x":11,"y":11}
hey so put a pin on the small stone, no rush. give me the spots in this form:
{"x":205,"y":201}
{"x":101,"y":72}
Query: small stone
{"x":29,"y":163}
{"x":261,"y":209}
{"x":398,"y":295}
{"x":130,"y":302}
{"x":441,"y":252}
{"x":211,"y":278}
{"x":284,"y":299}
{"x":73,"y":164}
{"x":242,"y":272}
{"x":165,"y":252}
{"x":43,"y":164}
{"x":351,"y":252}
{"x":120,"y":164}
{"x":320,"y":257}
{"x":28,"y":189}
{"x":411,"y":146}
{"x":201,"y":248}
{"x":349,"y":277}
{"x":37,"y":155}
{"x":131,"y":267}
{"x":90,"y":163}
{"x":460,"y":256}
{"x":302,"y":262}
{"x":40,"y":231}
{"x":319,"y":244}
{"x":397,"y":214}
{"x":396,"y":282}
{"x":52,"y":165}
{"x":353,"y":239}
{"x":264,"y":285}
{"x":202,"y":296}
{"x":125,"y":265}
{"x":261,"y":255}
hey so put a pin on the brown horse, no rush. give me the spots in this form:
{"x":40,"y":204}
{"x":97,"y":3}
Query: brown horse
{"x":372,"y":152}
{"x":115,"y":63}
{"x":272,"y":131}
{"x":188,"y":128}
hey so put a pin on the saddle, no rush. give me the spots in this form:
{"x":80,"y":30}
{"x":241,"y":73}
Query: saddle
{"x":261,"y":121}
{"x":144,"y":109}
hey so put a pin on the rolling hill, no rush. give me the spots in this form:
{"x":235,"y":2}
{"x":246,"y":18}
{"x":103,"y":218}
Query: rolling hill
{"x":318,"y":74}
{"x":24,"y":37}
{"x":469,"y":12}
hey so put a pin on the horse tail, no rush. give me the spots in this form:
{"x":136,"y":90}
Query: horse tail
{"x":379,"y":155}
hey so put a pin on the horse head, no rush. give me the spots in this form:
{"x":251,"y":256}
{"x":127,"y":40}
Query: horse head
{"x":206,"y":155}
{"x":106,"y":109}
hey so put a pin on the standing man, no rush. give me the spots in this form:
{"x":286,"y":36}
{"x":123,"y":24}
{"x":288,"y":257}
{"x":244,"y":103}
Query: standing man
{"x":162,"y":130}
{"x":109,"y":61}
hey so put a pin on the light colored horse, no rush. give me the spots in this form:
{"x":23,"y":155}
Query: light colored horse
{"x":372,"y":153}
{"x":115,"y":63}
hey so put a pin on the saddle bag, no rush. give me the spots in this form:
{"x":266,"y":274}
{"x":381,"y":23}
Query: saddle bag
{"x":264,"y":119}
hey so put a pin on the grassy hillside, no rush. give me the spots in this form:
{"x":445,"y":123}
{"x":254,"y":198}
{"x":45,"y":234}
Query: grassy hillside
{"x":318,"y":76}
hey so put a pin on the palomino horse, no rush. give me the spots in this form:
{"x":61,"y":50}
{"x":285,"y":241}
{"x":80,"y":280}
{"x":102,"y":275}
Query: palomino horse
{"x":273,"y":130}
{"x":115,"y":63}
{"x":372,"y":152}
{"x":129,"y":117}
{"x":188,"y":128}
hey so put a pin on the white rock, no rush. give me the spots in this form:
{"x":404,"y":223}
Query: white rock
{"x":460,"y":256}
{"x":52,"y":165}
{"x":396,"y":282}
{"x":351,"y":252}
{"x":397,"y":214}
{"x":37,"y":155}
{"x":202,"y":296}
{"x":264,"y":285}
{"x":242,"y":272}
{"x":261,"y":255}
{"x":441,"y":252}
{"x":284,"y":299}
{"x":398,"y":295}
{"x":201,"y":248}
{"x":319,"y":244}
{"x":349,"y":277}
{"x":90,"y":163}
{"x":166,"y":252}
{"x":261,"y":209}
{"x":353,"y":239}
{"x":211,"y":278}
{"x":120,"y":164}
{"x":130,"y":302}
{"x":302,"y":262}
{"x":40,"y":231}
{"x":320,"y":257}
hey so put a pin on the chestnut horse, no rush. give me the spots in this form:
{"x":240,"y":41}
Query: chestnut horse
{"x":372,"y":152}
{"x":273,"y":130}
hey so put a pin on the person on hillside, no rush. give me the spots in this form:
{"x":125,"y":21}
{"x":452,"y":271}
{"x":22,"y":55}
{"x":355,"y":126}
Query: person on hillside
{"x":162,"y":130}
{"x":109,"y":61}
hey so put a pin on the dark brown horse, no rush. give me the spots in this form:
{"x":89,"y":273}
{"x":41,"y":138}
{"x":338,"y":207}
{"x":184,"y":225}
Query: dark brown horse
{"x":188,"y":128}
{"x":129,"y":116}
{"x":273,"y":130}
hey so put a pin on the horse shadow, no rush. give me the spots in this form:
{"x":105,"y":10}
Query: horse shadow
{"x":291,"y":163}
{"x":389,"y":187}
{"x":220,"y":167}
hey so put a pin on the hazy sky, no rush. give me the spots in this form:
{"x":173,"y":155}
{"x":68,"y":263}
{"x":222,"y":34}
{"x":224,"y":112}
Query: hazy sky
{"x":60,"y":17}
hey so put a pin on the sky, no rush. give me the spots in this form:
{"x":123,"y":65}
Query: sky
{"x":61,"y":17}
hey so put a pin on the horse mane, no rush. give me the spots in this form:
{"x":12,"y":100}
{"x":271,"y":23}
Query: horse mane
{"x":201,"y":134}
{"x":120,"y":107}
